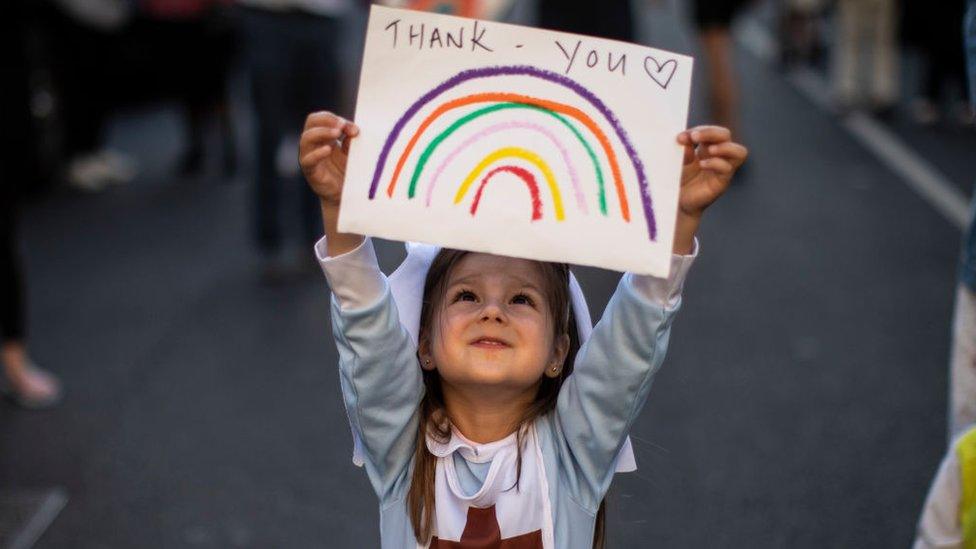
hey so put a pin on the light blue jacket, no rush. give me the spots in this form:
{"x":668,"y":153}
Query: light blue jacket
{"x":382,"y":387}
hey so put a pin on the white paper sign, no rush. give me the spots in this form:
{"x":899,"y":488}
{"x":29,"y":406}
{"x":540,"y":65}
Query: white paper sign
{"x":517,"y":141}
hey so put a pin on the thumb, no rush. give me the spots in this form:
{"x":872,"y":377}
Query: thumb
{"x":684,"y":139}
{"x":689,"y":155}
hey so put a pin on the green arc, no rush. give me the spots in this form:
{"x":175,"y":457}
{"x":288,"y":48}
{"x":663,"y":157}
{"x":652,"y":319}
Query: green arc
{"x":425,"y":156}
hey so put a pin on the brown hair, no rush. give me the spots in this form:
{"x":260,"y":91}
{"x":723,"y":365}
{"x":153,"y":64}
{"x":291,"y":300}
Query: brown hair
{"x":433,"y":418}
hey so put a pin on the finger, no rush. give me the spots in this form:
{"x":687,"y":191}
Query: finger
{"x":323,"y":118}
{"x":350,"y":129}
{"x":710,"y":134}
{"x":732,"y":152}
{"x":717,"y":165}
{"x":684,"y":139}
{"x":311,"y":159}
{"x":317,"y":136}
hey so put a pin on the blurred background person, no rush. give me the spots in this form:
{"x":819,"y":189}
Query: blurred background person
{"x":927,"y":27}
{"x":291,"y":52}
{"x":87,"y":39}
{"x":963,"y":358}
{"x":612,"y":19}
{"x":195,"y":40}
{"x":800,"y":29}
{"x":865,"y":55}
{"x":948,"y":518}
{"x":23,"y":381}
{"x":713,"y":21}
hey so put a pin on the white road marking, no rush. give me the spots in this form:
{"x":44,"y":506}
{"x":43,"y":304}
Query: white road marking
{"x":919,"y":174}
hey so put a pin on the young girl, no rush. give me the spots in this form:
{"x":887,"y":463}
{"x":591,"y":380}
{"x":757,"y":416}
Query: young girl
{"x":500,"y":425}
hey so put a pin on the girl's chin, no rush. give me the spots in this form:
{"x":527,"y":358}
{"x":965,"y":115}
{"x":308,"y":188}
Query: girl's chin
{"x":491,"y":374}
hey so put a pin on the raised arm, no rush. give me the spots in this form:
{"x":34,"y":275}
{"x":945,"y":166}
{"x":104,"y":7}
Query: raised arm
{"x":615,"y":367}
{"x":379,"y":374}
{"x":612,"y":375}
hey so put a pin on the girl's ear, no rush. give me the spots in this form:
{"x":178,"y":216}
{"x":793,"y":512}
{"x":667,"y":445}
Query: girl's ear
{"x":425,"y":356}
{"x":560,"y":349}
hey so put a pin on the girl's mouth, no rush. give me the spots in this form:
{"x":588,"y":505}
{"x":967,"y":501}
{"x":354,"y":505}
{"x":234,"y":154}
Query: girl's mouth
{"x":489,"y":343}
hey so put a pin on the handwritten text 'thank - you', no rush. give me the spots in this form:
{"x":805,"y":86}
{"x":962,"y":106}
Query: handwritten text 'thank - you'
{"x":424,"y":36}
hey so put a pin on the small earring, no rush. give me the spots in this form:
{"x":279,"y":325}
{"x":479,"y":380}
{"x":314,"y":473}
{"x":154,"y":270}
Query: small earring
{"x":555,"y":369}
{"x":427,"y":362}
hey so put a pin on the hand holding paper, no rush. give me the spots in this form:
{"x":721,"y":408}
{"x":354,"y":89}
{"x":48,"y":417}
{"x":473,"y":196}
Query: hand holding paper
{"x":323,"y":153}
{"x":711,"y":158}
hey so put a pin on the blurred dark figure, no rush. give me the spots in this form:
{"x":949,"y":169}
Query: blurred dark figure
{"x":865,"y":56}
{"x":800,"y":33}
{"x":929,"y":27}
{"x":291,"y":52}
{"x":24,"y":382}
{"x":87,"y":38}
{"x":948,"y":517}
{"x":713,"y":20}
{"x":963,"y":367}
{"x":194,"y":41}
{"x":612,"y":19}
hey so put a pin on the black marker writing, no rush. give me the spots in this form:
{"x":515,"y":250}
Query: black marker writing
{"x":593,"y":58}
{"x":460,"y":41}
{"x":476,"y":39}
{"x":394,"y":25}
{"x":621,"y":64}
{"x":569,"y":58}
{"x":417,"y":36}
{"x":435,"y":37}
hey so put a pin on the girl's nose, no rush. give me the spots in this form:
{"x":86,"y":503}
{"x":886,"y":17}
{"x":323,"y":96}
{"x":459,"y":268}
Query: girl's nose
{"x":492,"y":312}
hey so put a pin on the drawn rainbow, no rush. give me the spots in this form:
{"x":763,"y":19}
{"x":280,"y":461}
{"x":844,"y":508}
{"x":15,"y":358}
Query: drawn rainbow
{"x":503,"y":101}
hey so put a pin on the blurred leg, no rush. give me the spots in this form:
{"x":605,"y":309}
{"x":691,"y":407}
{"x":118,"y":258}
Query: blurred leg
{"x":723,"y":93}
{"x":884,"y":53}
{"x":845,"y":53}
{"x":11,"y":281}
{"x":266,"y":55}
{"x":320,"y":86}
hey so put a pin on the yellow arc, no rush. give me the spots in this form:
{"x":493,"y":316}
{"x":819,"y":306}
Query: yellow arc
{"x":517,"y":152}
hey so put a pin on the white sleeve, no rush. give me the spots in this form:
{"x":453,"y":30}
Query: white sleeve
{"x":939,"y":526}
{"x":355,"y":276}
{"x":666,"y":291}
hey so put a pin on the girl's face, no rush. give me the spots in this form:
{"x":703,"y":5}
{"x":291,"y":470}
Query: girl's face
{"x":494,"y":327}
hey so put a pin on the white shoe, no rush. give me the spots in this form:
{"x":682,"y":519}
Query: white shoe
{"x":119,"y":168}
{"x":87,"y":173}
{"x":94,"y":172}
{"x":36,"y":390}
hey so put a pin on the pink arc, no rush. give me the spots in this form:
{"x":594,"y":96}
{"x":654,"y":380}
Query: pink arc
{"x":512,"y":124}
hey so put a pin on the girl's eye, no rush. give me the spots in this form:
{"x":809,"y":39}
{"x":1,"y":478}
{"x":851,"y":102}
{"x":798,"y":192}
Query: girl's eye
{"x":522,"y":299}
{"x":465,"y":295}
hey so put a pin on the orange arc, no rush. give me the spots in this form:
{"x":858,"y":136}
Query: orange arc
{"x":518,"y":98}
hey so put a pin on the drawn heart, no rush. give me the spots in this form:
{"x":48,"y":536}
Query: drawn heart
{"x":660,"y":72}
